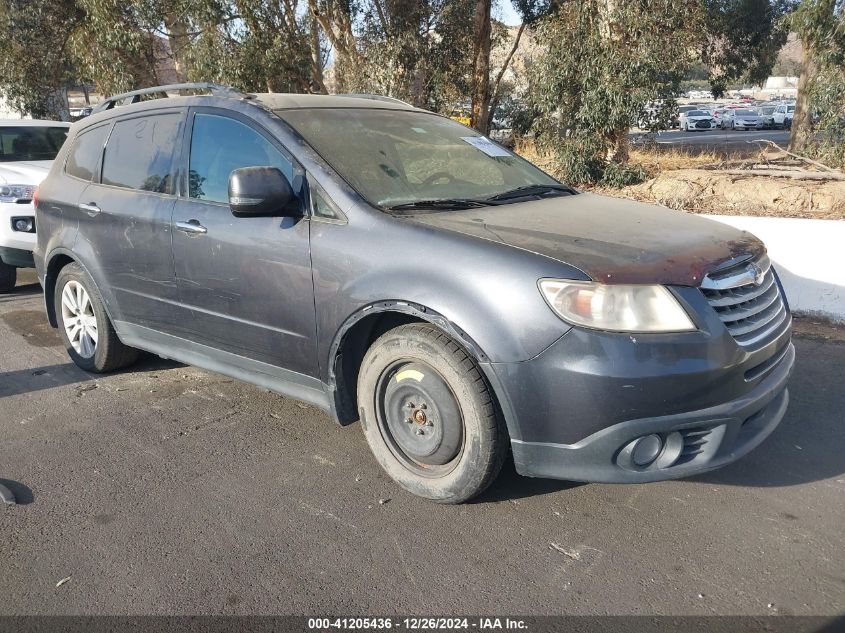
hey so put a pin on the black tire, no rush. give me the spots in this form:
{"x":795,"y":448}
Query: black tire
{"x":456,"y":441}
{"x":109,"y":353}
{"x":8,"y":277}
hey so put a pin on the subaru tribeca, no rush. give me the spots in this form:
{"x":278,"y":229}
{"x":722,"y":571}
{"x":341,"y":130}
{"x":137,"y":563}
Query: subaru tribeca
{"x":392,"y":266}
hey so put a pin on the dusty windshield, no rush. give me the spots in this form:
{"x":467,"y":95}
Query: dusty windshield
{"x":21,"y":143}
{"x":396,"y":157}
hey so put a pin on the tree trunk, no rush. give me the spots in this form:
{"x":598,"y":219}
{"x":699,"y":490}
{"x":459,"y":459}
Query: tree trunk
{"x":479,"y":118}
{"x":495,"y":92}
{"x":620,"y":147}
{"x":177,"y":30}
{"x":316,"y":56}
{"x":57,"y":106}
{"x":801,"y":122}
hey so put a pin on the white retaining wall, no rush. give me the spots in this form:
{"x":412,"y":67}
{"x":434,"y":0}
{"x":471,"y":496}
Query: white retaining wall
{"x":809,"y":256}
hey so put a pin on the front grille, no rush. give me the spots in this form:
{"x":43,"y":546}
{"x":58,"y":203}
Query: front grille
{"x":754,"y":313}
{"x":703,"y":124}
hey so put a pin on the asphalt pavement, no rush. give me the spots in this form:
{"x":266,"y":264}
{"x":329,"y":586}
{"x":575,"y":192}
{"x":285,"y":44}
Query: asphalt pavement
{"x":725,"y":140}
{"x":166,"y":489}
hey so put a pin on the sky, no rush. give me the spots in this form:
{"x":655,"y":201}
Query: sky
{"x":506,"y":14}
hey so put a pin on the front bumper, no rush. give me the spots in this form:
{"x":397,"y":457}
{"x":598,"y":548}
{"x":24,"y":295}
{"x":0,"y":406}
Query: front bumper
{"x":11,"y":241}
{"x":17,"y":257}
{"x":574,"y":410}
{"x":702,"y":440}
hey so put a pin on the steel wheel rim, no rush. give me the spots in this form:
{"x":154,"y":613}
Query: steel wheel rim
{"x":407,"y":460}
{"x":79,"y":319}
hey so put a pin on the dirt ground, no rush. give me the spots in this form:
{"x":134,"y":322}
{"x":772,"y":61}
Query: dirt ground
{"x":728,"y":192}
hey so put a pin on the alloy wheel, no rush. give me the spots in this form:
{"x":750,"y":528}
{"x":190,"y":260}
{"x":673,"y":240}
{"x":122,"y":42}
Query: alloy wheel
{"x":79,"y":320}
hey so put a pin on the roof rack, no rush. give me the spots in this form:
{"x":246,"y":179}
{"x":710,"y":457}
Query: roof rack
{"x":364,"y":95}
{"x":216,"y":90}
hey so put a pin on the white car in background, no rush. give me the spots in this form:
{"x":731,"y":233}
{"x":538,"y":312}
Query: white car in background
{"x":697,"y":120}
{"x":782,"y":117}
{"x":27,"y":150}
{"x":741,"y":119}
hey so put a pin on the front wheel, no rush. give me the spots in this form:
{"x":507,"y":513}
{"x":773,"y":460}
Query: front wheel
{"x":84,"y":326}
{"x":429,"y":416}
{"x":8,"y":277}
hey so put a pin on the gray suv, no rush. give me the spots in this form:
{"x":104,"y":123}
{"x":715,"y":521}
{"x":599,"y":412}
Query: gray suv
{"x":392,"y":266}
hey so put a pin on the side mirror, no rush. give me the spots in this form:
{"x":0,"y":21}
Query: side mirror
{"x":262,"y":191}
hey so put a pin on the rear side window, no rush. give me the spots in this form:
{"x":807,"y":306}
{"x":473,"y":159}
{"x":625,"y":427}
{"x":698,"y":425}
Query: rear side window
{"x":139,"y":154}
{"x":84,"y":157}
{"x":220,"y":145}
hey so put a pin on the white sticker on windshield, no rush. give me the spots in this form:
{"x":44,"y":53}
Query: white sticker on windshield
{"x":486,"y":145}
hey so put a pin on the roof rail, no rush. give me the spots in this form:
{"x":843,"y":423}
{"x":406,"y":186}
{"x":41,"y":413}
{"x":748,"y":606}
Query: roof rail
{"x":364,"y":95}
{"x":216,"y":90}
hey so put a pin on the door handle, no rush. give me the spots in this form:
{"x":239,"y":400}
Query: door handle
{"x":191,"y":227}
{"x":90,"y":208}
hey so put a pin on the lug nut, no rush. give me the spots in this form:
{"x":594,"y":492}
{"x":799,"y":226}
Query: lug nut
{"x":409,"y":420}
{"x":420,"y":432}
{"x":422,"y":406}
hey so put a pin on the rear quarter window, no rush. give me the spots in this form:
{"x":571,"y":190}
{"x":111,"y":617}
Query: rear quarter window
{"x":139,"y":153}
{"x":84,"y":156}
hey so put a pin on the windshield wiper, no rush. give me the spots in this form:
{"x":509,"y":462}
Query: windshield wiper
{"x":446,"y":204}
{"x":533,"y":190}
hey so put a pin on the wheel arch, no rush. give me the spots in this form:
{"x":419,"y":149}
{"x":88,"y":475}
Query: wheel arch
{"x":55,"y":262}
{"x":358,"y":333}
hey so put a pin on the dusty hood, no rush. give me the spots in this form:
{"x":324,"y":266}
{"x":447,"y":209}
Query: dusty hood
{"x":25,"y":172}
{"x":611,"y":239}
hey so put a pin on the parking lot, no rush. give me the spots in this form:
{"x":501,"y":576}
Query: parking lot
{"x":166,"y":489}
{"x":729,"y":140}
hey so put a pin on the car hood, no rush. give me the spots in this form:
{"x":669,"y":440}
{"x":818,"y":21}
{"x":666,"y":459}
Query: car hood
{"x":612,"y":240}
{"x":24,"y":172}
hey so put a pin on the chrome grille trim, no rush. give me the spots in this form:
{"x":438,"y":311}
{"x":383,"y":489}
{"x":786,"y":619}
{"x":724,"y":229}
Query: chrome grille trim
{"x":730,"y":299}
{"x":751,"y":313}
{"x":726,"y":280}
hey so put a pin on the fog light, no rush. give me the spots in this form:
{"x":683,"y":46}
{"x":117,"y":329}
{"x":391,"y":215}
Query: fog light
{"x":646,"y":449}
{"x":23,"y":225}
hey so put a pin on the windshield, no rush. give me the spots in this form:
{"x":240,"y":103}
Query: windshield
{"x":769,"y":110}
{"x":791,"y":109}
{"x":396,"y":157}
{"x":746,"y":113}
{"x":19,"y":143}
{"x":698,"y":113}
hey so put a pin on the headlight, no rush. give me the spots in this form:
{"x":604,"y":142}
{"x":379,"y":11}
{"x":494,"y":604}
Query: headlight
{"x":616,"y":308}
{"x":14,"y":193}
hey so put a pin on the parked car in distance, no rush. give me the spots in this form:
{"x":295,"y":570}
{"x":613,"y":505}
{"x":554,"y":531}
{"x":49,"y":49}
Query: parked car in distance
{"x":392,"y":266}
{"x":741,"y":119}
{"x":697,"y":120}
{"x":676,"y":121}
{"x":783,"y":114}
{"x":767,"y":119}
{"x":27,"y":149}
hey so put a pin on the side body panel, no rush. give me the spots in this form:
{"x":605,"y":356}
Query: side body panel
{"x":245,"y":284}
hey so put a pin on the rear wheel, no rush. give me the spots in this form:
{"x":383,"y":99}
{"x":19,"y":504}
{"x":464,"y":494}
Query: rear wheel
{"x":8,"y":277}
{"x":429,"y":416}
{"x":84,"y":326}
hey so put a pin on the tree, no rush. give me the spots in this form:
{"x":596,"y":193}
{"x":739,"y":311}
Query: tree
{"x":606,"y":61}
{"x":742,"y":40}
{"x":818,"y":127}
{"x":603,"y":62}
{"x":414,"y":50}
{"x":34,"y":63}
{"x":486,"y":96}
